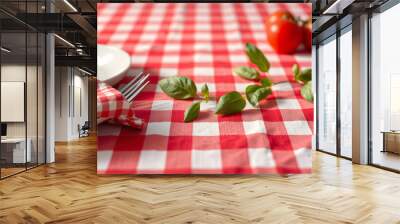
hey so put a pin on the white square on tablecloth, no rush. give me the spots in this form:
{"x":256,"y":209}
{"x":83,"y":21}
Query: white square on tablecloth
{"x":288,"y":104}
{"x":275,"y":70}
{"x":202,"y":47}
{"x":202,"y":26}
{"x":303,"y":157}
{"x":232,"y":36}
{"x":202,"y":36}
{"x":210,"y":105}
{"x":241,"y":87}
{"x":103,"y":159}
{"x":145,"y":47}
{"x":261,"y":158}
{"x":232,"y":27}
{"x":297,"y":127}
{"x":152,"y":160}
{"x":238,"y":58}
{"x":205,"y":129}
{"x":203,"y":57}
{"x":164,"y":72}
{"x":206,"y":159}
{"x":139,"y":59}
{"x":158,"y":128}
{"x":170,"y":59}
{"x":171,"y":47}
{"x":203,"y":71}
{"x":119,"y":37}
{"x":253,"y":127}
{"x":112,"y":105}
{"x":162,"y":105}
{"x":282,"y":87}
{"x":238,"y":47}
{"x":148,"y":36}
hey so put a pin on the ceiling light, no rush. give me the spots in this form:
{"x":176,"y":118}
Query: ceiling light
{"x":64,"y":40}
{"x":5,"y":50}
{"x":84,"y":71}
{"x":70,"y":5}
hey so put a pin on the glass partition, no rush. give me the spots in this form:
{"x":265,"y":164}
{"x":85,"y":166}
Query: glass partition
{"x":13,"y":94}
{"x":22,"y":77}
{"x":327,"y":96}
{"x":346,"y":92}
{"x":385,"y":89}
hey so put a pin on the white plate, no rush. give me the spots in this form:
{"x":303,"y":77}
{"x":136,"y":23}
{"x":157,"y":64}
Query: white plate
{"x":112,"y":64}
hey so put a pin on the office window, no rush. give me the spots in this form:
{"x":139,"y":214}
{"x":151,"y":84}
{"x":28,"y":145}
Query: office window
{"x":327,"y":96}
{"x":385,"y":89}
{"x":346,"y":92}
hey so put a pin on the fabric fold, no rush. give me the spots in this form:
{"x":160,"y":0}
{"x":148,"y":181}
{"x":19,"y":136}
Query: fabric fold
{"x":113,"y":108}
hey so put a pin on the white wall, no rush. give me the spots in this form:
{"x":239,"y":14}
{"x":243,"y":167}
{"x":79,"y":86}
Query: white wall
{"x":70,"y":81}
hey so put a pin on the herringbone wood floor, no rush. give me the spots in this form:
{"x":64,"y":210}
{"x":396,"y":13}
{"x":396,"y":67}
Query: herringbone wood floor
{"x":69,"y":191}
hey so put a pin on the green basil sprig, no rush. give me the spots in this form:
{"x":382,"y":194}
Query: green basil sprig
{"x":180,"y":88}
{"x":192,"y":112}
{"x":230,"y":103}
{"x":255,"y":93}
{"x":247,"y":73}
{"x":205,"y":93}
{"x":306,"y":92}
{"x":266,"y":82}
{"x":257,"y":57}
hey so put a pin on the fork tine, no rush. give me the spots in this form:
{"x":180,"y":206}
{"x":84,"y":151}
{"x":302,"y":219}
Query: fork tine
{"x":126,"y":86}
{"x":137,"y":92}
{"x":135,"y":86}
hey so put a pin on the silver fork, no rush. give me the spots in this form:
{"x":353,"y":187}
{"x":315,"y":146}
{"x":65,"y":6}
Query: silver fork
{"x":135,"y":86}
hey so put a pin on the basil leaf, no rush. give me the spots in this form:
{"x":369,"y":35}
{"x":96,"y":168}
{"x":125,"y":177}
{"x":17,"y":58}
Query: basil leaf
{"x":266,"y":82}
{"x":305,"y":75}
{"x":306,"y":92}
{"x":230,"y":103}
{"x":192,"y":112}
{"x":257,"y":57}
{"x":255,"y":93}
{"x":247,"y":73}
{"x":205,"y":92}
{"x":296,"y":71}
{"x":178,"y":87}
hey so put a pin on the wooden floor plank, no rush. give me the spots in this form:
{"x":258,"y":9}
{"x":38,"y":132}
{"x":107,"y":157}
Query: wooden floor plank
{"x":70,"y":191}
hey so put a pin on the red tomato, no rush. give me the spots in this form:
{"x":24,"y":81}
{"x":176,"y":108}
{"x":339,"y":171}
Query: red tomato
{"x":283,"y":32}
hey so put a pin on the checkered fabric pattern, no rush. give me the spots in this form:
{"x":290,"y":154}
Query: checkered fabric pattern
{"x":112,"y":107}
{"x":204,"y":41}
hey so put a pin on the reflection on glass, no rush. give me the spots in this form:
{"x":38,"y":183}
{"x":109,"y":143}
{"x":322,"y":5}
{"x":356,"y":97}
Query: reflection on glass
{"x":385,"y":84}
{"x":346,"y":94}
{"x":327,"y":96}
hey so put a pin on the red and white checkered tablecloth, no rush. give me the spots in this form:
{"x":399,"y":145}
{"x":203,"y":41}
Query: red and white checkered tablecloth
{"x":204,"y":41}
